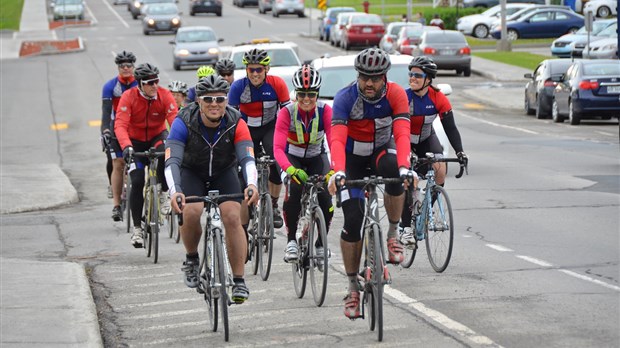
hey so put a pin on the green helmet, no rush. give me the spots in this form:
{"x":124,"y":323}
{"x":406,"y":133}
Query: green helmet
{"x":256,"y":56}
{"x":205,"y":71}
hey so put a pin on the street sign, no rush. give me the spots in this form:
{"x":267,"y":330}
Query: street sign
{"x":322,"y":5}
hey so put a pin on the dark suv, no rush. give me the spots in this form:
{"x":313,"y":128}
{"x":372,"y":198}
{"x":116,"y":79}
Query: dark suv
{"x":205,"y":6}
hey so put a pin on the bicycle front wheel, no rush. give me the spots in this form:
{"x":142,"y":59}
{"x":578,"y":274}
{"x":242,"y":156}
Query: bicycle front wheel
{"x":318,"y":263}
{"x":155,"y":220}
{"x":253,"y":244}
{"x":146,"y":219}
{"x":127,"y":210}
{"x":440,"y":231}
{"x":220,"y":279}
{"x":206,"y":281}
{"x":266,"y":236}
{"x":300,"y":272}
{"x":377,"y":277}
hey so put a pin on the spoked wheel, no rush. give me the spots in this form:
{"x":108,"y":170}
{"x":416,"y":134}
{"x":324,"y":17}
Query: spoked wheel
{"x":205,"y":284}
{"x":300,"y":271}
{"x":253,"y":245}
{"x":410,"y":250}
{"x":266,"y":237}
{"x":148,"y":241}
{"x":155,"y":223}
{"x":127,"y":209}
{"x":440,"y":231}
{"x":368,"y":302}
{"x":377,"y":283}
{"x":220,"y":266}
{"x":318,"y":264}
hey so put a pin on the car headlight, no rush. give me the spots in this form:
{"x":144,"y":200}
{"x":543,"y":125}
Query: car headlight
{"x":151,"y":21}
{"x":176,"y":21}
{"x":609,"y":47}
{"x":137,"y":4}
{"x":214,"y":50}
{"x":183,"y":52}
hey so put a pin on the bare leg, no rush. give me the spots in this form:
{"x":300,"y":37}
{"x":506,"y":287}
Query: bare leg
{"x":440,"y":172}
{"x":118,"y":166}
{"x":191,"y":230}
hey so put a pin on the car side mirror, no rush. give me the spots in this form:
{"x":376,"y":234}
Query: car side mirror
{"x":445,"y":88}
{"x":172,"y":42}
{"x":528,"y":76}
{"x":562,"y":77}
{"x":220,"y":40}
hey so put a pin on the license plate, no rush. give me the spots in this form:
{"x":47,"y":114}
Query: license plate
{"x":613,"y":89}
{"x":290,"y":10}
{"x":367,"y":30}
{"x":448,"y":52}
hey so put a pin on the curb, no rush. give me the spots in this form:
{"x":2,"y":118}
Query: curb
{"x":48,"y":47}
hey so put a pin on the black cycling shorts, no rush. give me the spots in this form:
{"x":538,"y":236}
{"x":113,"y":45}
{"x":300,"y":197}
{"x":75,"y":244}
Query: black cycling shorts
{"x":227,"y":183}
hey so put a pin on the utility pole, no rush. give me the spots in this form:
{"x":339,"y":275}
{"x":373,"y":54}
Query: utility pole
{"x":503,"y":45}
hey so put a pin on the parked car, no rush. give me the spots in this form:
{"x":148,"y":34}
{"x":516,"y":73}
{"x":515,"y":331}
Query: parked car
{"x":602,"y":8}
{"x":525,"y":11}
{"x":295,"y":7}
{"x":195,"y":46}
{"x":243,"y":3}
{"x":589,"y":89}
{"x":135,"y":6}
{"x":363,"y":29}
{"x":335,"y":34}
{"x":63,"y":9}
{"x":491,"y":3}
{"x":478,"y":25}
{"x":448,"y":48}
{"x":606,"y":45}
{"x":410,"y":37}
{"x":161,"y":17}
{"x":205,"y":6}
{"x":571,"y":45}
{"x":388,"y":41}
{"x":329,"y":19}
{"x":542,"y":82}
{"x":264,"y":6}
{"x":542,"y":23}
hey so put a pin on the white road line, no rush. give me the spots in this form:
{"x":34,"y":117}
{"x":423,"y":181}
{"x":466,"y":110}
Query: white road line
{"x":155,"y":293}
{"x":499,"y":125}
{"x":153,"y":285}
{"x":604,"y":133}
{"x":440,"y":318}
{"x":535,"y":261}
{"x":595,"y":281}
{"x":152,"y":304}
{"x":498,"y":247}
{"x":115,"y":13}
{"x":90,"y":13}
{"x":121,"y":269}
{"x":146,"y":276}
{"x":203,"y":309}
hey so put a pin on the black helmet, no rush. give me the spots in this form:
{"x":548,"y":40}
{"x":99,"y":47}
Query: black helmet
{"x":124,"y":57}
{"x":307,"y":78}
{"x":211,"y":84}
{"x":256,"y":56}
{"x":146,"y":71}
{"x":373,"y":61}
{"x":225,"y":65}
{"x":426,"y":64}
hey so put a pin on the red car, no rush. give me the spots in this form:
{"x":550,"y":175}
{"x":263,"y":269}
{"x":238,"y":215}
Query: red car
{"x":363,"y":30}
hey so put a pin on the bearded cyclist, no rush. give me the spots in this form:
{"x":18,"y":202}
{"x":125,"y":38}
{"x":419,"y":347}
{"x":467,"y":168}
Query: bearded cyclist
{"x":179,"y":92}
{"x":141,"y":124}
{"x":259,"y":97}
{"x":203,"y":71}
{"x":426,"y":102}
{"x":110,"y":97}
{"x":299,"y":148}
{"x":226,"y":69}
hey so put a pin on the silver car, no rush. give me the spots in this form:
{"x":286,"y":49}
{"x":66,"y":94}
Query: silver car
{"x":388,"y":41}
{"x":63,"y":9}
{"x":280,"y":7}
{"x":161,"y":17}
{"x":448,"y":48}
{"x":195,"y":46}
{"x":606,"y":47}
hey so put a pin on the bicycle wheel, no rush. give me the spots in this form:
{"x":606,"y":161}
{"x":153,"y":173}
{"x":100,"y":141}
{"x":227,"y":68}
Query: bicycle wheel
{"x":206,"y":281}
{"x":127,"y":193}
{"x":440,"y":231}
{"x":146,"y":218}
{"x":220,"y":279}
{"x":410,"y":251}
{"x":155,"y":220}
{"x":300,"y":271}
{"x":266,"y":238}
{"x":253,"y":245}
{"x":318,"y":264}
{"x":377,"y":281}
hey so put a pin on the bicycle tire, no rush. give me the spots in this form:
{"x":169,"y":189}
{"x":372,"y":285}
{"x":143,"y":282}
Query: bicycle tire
{"x":127,"y":188}
{"x":266,"y":238}
{"x":319,"y":268}
{"x":155,"y":220}
{"x":207,"y":281}
{"x":377,"y":282}
{"x":218,"y":253}
{"x":438,"y":243}
{"x":253,"y":247}
{"x":300,"y":272}
{"x":146,"y":218}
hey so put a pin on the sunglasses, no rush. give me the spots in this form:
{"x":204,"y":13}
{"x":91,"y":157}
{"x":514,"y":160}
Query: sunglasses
{"x":151,"y":82}
{"x":225,"y":73}
{"x":209,"y":99}
{"x":125,"y":65}
{"x":417,"y":75}
{"x":256,"y":70}
{"x":374,"y":79}
{"x":302,"y":95}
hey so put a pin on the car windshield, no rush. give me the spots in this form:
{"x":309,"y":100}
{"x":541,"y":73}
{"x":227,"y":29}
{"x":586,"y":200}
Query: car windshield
{"x":196,"y":36}
{"x":333,"y":14}
{"x":610,"y":31}
{"x":279,"y":57}
{"x":335,"y":78}
{"x":369,"y":19}
{"x":445,"y":37}
{"x":156,"y":1}
{"x":597,"y":26}
{"x":68,"y":2}
{"x":413,"y":32}
{"x":166,"y":9}
{"x":601,"y":69}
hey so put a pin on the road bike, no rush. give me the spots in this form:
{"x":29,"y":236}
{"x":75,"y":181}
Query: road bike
{"x":432,"y":219}
{"x":125,"y":193}
{"x":374,"y":269}
{"x":260,"y":227}
{"x":311,"y":228}
{"x":151,"y":216}
{"x":215,"y":275}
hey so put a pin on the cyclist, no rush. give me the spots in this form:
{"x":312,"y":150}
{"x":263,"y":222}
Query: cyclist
{"x":206,"y":143}
{"x":141,"y":124}
{"x":259,"y":97}
{"x":426,"y":102}
{"x":110,"y":96}
{"x":366,"y":114}
{"x":179,"y":92}
{"x":299,"y":149}
{"x":203,"y":71}
{"x":226,"y":69}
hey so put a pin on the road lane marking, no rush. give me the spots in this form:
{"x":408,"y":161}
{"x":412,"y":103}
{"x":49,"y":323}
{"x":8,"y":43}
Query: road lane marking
{"x":535,"y":261}
{"x":499,"y":125}
{"x":151,"y":304}
{"x":115,"y":13}
{"x":498,"y":247}
{"x":90,"y":13}
{"x":474,"y":106}
{"x":59,"y":126}
{"x":440,"y":318}
{"x":595,"y":281}
{"x":146,"y":276}
{"x":94,"y":123}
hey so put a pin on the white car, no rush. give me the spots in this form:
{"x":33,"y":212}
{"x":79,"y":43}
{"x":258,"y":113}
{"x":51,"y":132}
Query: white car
{"x":284,"y":58}
{"x":523,"y":12}
{"x":478,"y":25}
{"x":606,"y":45}
{"x":337,"y":72}
{"x":602,"y":8}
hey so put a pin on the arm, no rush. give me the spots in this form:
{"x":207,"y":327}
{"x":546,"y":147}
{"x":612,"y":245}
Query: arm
{"x":401,"y":127}
{"x":244,"y":147}
{"x":448,"y":122}
{"x":173,"y":109}
{"x":106,"y":114}
{"x":234,"y":95}
{"x":327,"y":124}
{"x":283,"y":122}
{"x":284,"y":97}
{"x":339,"y":133}
{"x":175,"y":148}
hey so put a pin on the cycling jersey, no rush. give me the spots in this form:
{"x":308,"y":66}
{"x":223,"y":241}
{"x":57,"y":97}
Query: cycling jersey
{"x":359,"y":127}
{"x":111,"y":95}
{"x":191,"y":95}
{"x":142,"y":119}
{"x":259,"y":105}
{"x":300,"y":133}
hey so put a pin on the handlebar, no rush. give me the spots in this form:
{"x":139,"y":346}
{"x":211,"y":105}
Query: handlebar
{"x":211,"y":197}
{"x":373,"y":180}
{"x":430,"y":159}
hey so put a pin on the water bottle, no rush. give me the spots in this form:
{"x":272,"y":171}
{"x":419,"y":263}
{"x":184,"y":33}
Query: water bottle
{"x":302,"y":227}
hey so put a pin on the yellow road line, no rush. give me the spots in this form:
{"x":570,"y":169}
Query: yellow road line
{"x":474,"y":106}
{"x":94,"y":123}
{"x":59,"y":126}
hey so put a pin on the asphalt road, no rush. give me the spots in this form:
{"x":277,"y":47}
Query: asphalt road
{"x":536,"y":244}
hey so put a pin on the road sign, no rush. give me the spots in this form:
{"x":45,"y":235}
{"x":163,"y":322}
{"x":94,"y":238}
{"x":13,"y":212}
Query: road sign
{"x":322,"y":5}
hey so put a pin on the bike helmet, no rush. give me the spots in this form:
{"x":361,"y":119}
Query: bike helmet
{"x":205,"y":71}
{"x":225,"y":65}
{"x":178,"y":86}
{"x":146,"y":71}
{"x":372,"y":62}
{"x":426,"y":64}
{"x":125,"y":57}
{"x":211,"y":84}
{"x":256,"y":56}
{"x":307,"y":78}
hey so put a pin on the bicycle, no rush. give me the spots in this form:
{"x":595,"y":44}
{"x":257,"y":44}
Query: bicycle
{"x":215,"y":275}
{"x":310,"y":228}
{"x":432,"y":217}
{"x":125,"y":193}
{"x":374,"y":269}
{"x":151,"y":216}
{"x":173,"y":226}
{"x":260,"y":227}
